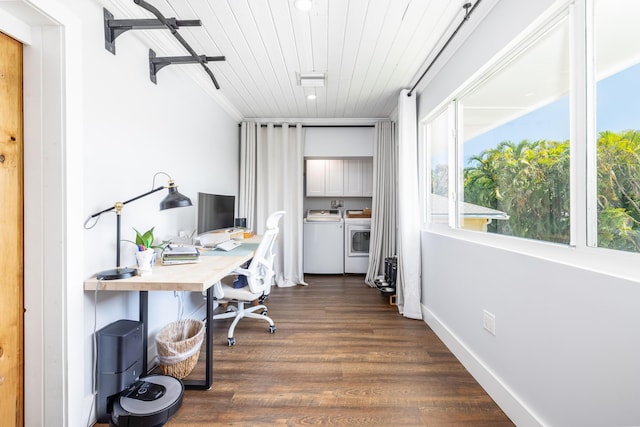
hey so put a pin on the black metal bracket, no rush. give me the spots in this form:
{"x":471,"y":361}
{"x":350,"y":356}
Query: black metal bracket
{"x":114,"y":27}
{"x":156,"y":63}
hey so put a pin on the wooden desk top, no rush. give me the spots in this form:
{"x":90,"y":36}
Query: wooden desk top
{"x":195,"y":277}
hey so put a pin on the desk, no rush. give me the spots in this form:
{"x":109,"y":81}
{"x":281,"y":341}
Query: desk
{"x":195,"y":277}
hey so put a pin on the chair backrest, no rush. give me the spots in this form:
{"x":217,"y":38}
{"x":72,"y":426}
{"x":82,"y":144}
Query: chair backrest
{"x":261,"y":273}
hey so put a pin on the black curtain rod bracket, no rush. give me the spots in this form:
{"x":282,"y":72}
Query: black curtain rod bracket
{"x":468,"y":10}
{"x":114,"y":27}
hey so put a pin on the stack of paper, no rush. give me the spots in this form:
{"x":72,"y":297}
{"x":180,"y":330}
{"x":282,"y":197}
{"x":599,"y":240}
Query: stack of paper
{"x":180,"y":255}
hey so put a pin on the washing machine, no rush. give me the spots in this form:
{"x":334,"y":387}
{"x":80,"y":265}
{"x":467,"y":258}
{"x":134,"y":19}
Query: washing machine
{"x":323,"y":242}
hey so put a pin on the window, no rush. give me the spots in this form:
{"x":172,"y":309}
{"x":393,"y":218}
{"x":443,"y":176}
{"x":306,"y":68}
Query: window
{"x":617,"y":123}
{"x":514,"y":143}
{"x":437,"y":137}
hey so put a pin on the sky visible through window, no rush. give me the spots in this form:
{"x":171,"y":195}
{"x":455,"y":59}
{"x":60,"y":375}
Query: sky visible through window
{"x":618,"y":108}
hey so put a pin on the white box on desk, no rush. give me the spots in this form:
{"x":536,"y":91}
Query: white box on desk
{"x":210,"y":240}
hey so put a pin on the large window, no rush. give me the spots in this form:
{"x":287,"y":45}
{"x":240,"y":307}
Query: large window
{"x":514,"y":143}
{"x":437,"y":137}
{"x":617,"y":56}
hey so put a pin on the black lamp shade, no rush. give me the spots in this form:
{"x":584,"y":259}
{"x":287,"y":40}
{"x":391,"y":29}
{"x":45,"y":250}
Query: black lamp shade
{"x":174,"y":199}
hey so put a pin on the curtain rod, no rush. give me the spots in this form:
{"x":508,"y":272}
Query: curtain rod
{"x":262,"y":125}
{"x":468,"y":11}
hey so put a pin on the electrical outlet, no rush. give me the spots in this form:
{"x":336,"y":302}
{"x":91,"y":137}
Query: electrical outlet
{"x":489,"y":322}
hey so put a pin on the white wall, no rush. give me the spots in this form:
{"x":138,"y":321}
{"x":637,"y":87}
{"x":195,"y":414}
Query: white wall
{"x":133,"y":129}
{"x":339,"y":141}
{"x":96,"y":131}
{"x":565,"y":351}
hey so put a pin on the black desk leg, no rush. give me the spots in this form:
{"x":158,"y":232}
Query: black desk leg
{"x":143,"y":304}
{"x":208,"y":377}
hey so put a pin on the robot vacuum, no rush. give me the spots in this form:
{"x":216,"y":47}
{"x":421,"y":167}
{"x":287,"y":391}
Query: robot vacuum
{"x":126,"y":396}
{"x":149,"y":402}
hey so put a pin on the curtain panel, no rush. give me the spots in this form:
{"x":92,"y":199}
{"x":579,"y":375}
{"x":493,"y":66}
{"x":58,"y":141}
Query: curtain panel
{"x":247,"y":192}
{"x":277,"y":185}
{"x":408,"y":288}
{"x":384,"y":200}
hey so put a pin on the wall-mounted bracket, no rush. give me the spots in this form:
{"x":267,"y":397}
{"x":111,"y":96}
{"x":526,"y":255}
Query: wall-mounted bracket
{"x":156,"y":63}
{"x":114,"y":27}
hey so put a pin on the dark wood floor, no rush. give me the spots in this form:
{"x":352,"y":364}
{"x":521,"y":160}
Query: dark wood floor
{"x":343,"y":356}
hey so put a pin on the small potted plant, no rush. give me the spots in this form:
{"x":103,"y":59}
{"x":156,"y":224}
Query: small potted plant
{"x":146,"y":254}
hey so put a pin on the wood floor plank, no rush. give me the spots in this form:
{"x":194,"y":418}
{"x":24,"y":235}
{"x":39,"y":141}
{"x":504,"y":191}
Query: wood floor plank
{"x":342,"y":356}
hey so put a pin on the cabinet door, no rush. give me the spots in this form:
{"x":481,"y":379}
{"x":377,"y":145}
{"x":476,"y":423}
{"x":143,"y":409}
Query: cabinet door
{"x":315,"y":178}
{"x":352,"y":178}
{"x":367,"y":177}
{"x":333,"y":178}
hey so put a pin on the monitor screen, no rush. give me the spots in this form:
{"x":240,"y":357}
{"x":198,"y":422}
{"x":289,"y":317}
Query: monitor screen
{"x":215,"y":212}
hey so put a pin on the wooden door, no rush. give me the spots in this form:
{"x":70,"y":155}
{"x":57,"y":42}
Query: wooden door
{"x":11,"y":240}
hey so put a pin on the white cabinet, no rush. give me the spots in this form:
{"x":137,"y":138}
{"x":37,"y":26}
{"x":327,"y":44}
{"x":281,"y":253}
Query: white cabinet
{"x":367,"y":177}
{"x":333,"y":179}
{"x":340,"y":178}
{"x":315,"y":178}
{"x":358,"y":178}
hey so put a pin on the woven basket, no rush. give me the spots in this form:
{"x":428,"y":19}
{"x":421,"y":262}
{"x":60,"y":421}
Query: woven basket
{"x":178,"y":346}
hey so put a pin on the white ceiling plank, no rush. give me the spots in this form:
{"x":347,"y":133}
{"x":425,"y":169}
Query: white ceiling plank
{"x":408,"y":29}
{"x":371,"y":38}
{"x":284,"y":40}
{"x":354,"y":38}
{"x":336,"y":32}
{"x":428,"y":37}
{"x":319,"y":48}
{"x":369,"y":49}
{"x":240,"y":58}
{"x":381,"y":50}
{"x":257,"y":27}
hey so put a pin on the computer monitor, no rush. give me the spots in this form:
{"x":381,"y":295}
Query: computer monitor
{"x":215,"y":212}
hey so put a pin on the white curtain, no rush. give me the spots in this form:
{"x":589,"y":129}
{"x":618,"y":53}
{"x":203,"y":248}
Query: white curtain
{"x":278,"y":185}
{"x":246,"y":197}
{"x":408,"y":288}
{"x":384,"y":201}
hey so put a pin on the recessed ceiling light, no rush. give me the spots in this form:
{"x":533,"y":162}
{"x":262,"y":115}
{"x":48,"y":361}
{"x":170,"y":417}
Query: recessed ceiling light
{"x":311,"y":97}
{"x":303,"y":5}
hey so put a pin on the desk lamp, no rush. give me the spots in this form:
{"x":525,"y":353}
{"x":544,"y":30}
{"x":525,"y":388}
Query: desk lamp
{"x":173,"y":200}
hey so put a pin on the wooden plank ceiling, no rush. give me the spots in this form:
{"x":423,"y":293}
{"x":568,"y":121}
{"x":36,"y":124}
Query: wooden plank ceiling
{"x":369,"y":50}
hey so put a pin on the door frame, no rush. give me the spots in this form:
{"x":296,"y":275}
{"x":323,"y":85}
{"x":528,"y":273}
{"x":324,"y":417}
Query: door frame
{"x":53,"y":297}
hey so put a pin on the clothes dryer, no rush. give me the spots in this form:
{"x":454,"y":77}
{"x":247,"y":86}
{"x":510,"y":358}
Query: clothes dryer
{"x":357,"y":234}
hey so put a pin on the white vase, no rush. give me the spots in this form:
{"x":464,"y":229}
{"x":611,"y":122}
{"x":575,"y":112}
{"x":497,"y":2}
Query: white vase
{"x":146,"y":259}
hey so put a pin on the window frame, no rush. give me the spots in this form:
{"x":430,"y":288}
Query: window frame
{"x":583,"y":163}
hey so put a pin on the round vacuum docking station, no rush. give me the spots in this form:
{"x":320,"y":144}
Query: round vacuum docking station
{"x":149,"y":402}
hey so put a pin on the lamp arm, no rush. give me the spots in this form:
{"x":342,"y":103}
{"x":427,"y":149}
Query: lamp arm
{"x":118,"y":205}
{"x":144,"y":195}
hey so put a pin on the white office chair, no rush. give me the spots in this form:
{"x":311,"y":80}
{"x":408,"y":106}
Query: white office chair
{"x":260,"y":276}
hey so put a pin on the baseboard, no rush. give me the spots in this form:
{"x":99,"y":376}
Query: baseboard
{"x":515,"y":409}
{"x":89,"y":409}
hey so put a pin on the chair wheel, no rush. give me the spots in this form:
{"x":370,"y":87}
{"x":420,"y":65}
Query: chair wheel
{"x":264,"y":313}
{"x":272,"y":329}
{"x":231,"y":341}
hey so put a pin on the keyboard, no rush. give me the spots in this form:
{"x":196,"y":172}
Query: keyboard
{"x":228,"y":245}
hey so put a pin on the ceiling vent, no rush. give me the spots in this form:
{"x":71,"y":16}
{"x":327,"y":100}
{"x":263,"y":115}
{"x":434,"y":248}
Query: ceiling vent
{"x":310,"y":79}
